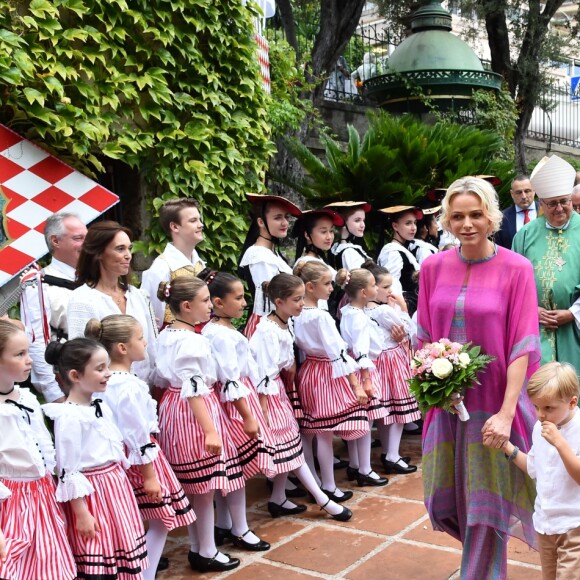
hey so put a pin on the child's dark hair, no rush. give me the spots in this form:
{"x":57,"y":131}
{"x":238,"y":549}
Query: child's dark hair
{"x":281,"y":286}
{"x":354,"y":281}
{"x":180,"y":289}
{"x":377,"y":271}
{"x":71,"y":355}
{"x":112,"y":330}
{"x":219,"y":283}
{"x":7,"y":329}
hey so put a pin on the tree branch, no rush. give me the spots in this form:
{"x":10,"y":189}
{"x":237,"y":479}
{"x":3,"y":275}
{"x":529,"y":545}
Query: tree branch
{"x":287,"y":19}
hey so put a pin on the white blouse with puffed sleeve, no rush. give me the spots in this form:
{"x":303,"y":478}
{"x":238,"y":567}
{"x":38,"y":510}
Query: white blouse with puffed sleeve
{"x":317,"y":335}
{"x":135,"y":414}
{"x":233,"y":360}
{"x":85,"y":437}
{"x":185,"y":360}
{"x":26,"y":448}
{"x":387,"y":316}
{"x":273,"y":350}
{"x":362,"y":335}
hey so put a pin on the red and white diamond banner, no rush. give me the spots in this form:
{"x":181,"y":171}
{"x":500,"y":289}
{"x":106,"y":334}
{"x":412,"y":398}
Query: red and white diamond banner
{"x":33,"y":185}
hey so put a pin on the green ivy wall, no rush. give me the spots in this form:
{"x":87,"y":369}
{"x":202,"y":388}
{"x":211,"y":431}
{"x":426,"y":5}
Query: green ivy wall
{"x":169,"y":87}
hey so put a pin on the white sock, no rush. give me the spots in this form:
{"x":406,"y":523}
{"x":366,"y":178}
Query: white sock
{"x":364,"y":453}
{"x":308,"y":447}
{"x":326,"y":461}
{"x":236,"y":501}
{"x":155,"y":540}
{"x":352,"y":453}
{"x":203,"y":508}
{"x":395,"y":434}
{"x":279,"y":491}
{"x":192,"y":531}
{"x":383,"y":436}
{"x":222,"y":513}
{"x":304,"y":475}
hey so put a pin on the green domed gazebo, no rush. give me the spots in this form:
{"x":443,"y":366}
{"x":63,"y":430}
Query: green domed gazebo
{"x":439,"y":64}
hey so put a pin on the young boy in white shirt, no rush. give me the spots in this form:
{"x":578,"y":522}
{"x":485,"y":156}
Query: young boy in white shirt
{"x":181,"y":221}
{"x":554,"y":462}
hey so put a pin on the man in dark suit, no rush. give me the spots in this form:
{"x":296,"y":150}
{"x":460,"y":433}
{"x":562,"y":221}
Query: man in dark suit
{"x":524,"y":210}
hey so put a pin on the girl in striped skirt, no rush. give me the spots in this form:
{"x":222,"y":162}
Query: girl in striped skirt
{"x":161,"y":499}
{"x":195,"y":435}
{"x":35,"y":543}
{"x":390,"y":313}
{"x":261,"y":259}
{"x":273,"y":348}
{"x":236,"y":373}
{"x":331,"y":396}
{"x":104,"y":528}
{"x":364,"y":341}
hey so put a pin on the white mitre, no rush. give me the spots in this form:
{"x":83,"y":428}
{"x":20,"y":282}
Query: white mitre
{"x":553,"y":177}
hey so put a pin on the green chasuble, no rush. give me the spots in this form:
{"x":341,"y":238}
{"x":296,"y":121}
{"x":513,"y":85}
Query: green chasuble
{"x":555,"y":255}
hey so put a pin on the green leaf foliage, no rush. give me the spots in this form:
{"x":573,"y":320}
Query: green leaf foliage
{"x":397,"y":160}
{"x":170,"y":88}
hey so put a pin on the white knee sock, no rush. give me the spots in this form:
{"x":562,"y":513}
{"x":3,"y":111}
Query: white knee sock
{"x":236,"y":501}
{"x":326,"y":460}
{"x":279,"y":489}
{"x":203,"y":508}
{"x":155,"y":540}
{"x":352,"y":453}
{"x":364,"y":453}
{"x":304,"y":475}
{"x":394,"y":437}
{"x":222,"y":513}
{"x":308,"y":447}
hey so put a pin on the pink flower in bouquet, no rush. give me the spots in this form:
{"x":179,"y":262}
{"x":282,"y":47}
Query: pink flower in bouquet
{"x":455,"y":347}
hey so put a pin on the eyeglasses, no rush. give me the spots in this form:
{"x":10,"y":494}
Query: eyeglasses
{"x":554,"y":204}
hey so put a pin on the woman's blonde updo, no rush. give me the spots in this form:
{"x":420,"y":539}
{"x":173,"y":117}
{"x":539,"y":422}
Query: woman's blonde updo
{"x":484,"y":190}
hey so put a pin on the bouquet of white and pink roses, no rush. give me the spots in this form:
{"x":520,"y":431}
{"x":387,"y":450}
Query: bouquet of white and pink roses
{"x":442,"y":371}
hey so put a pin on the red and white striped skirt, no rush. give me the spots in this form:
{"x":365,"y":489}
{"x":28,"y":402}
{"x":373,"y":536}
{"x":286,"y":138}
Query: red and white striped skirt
{"x":183,"y":443}
{"x":255,"y":455}
{"x":329,"y":404}
{"x":394,"y":367}
{"x":174,"y":509}
{"x":251,"y":325}
{"x":118,"y":550}
{"x":288,"y":455}
{"x":377,"y":405}
{"x":35,"y":531}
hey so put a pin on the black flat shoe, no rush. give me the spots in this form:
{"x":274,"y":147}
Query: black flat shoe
{"x":239,"y":542}
{"x":406,"y":459}
{"x":343,"y":516}
{"x":192,"y":559}
{"x":346,"y":495}
{"x":163,"y":564}
{"x":212,"y":565}
{"x":221,"y":535}
{"x":364,"y":480}
{"x":279,"y":510}
{"x":351,"y":473}
{"x":395,"y":467}
{"x":340,"y":464}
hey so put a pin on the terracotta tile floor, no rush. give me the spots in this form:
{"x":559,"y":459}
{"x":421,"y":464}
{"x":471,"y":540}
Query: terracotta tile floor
{"x":388,"y":537}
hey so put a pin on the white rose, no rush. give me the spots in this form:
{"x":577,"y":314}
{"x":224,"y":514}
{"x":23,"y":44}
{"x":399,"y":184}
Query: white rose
{"x":441,"y":368}
{"x":464,"y":360}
